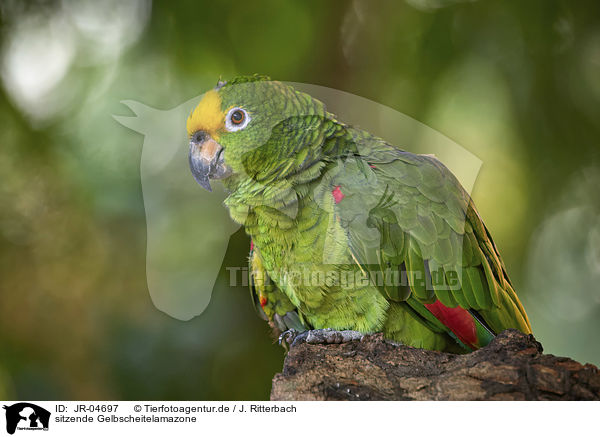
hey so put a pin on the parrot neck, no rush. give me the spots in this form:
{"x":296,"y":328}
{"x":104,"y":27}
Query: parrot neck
{"x":277,"y":204}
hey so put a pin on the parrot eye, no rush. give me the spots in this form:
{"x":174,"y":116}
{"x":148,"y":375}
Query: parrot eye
{"x":237,"y":119}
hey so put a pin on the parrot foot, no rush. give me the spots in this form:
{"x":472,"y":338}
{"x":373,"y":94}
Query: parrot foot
{"x":321,"y":336}
{"x":288,"y":337}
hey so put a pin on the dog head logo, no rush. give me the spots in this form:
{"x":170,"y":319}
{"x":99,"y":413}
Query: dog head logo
{"x":26,"y":416}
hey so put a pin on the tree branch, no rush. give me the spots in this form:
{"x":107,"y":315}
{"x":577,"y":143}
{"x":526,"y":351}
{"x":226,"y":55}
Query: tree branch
{"x":511,"y":367}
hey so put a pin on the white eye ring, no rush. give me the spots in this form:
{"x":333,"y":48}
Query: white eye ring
{"x":232,"y":124}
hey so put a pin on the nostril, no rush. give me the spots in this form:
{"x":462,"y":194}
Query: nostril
{"x":199,"y":137}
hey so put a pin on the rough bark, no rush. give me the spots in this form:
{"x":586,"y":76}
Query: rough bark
{"x":512,"y":367}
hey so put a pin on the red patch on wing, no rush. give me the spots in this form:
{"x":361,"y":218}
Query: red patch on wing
{"x":251,"y":245}
{"x":372,"y":166}
{"x":263,"y":301}
{"x":337,"y":194}
{"x":458,"y":320}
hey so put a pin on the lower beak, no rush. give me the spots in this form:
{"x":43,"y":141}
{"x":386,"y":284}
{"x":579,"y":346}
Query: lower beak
{"x":207,"y":162}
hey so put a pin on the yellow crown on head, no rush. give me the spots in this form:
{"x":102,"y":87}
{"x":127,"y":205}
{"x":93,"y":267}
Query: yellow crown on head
{"x":207,"y":116}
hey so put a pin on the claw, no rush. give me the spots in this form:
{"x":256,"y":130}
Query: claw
{"x":287,"y":337}
{"x":300,"y":337}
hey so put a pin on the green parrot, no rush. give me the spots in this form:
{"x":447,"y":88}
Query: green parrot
{"x":349,"y":233}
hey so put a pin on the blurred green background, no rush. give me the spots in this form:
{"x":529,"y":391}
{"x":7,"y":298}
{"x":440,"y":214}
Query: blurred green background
{"x":517,"y":83}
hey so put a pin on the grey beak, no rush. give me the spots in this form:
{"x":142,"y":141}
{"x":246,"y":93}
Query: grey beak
{"x":206,"y":160}
{"x":199,"y":168}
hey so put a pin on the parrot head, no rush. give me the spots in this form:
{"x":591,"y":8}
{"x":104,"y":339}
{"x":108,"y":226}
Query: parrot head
{"x":231,"y":129}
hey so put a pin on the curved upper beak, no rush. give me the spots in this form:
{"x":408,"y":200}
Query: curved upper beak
{"x":206,"y":160}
